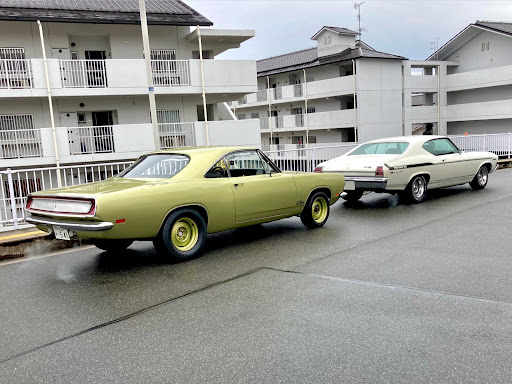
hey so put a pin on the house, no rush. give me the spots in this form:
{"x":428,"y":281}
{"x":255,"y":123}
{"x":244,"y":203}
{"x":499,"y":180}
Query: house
{"x":99,"y":86}
{"x":342,"y":90}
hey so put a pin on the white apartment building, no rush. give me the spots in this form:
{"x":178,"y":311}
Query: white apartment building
{"x":99,"y":86}
{"x":341,"y":91}
{"x":466,"y":86}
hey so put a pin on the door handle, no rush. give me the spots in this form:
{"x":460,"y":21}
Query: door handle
{"x":238,"y":184}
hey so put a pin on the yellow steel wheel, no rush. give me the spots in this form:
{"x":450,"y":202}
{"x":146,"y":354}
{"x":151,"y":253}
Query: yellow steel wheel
{"x":319,"y":209}
{"x":184,"y":234}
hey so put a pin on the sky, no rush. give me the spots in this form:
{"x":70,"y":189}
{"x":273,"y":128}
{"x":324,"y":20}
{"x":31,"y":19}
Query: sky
{"x":404,"y":28}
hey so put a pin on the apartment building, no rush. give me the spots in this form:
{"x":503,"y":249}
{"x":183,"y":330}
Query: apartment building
{"x":465,"y":86}
{"x":98,"y":81}
{"x":340,"y":91}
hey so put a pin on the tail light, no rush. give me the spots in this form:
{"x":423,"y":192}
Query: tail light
{"x":319,"y":169}
{"x":379,"y":171}
{"x":61,"y":205}
{"x":29,"y":202}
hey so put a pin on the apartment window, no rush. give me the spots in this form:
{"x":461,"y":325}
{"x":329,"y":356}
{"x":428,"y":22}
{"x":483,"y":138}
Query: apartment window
{"x":312,"y":139}
{"x":206,"y":55}
{"x":241,"y":116}
{"x":297,"y":140}
{"x":255,"y":115}
{"x":163,"y":54}
{"x":12,"y":53}
{"x":311,"y":109}
{"x":168,"y":116}
{"x":74,"y":55}
{"x":18,"y":137}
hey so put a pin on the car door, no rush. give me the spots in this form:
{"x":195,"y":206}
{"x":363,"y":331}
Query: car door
{"x":260,"y":190}
{"x":454,"y":165}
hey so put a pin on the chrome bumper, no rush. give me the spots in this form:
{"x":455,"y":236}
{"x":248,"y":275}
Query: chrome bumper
{"x":366,"y":183}
{"x":75,"y":226}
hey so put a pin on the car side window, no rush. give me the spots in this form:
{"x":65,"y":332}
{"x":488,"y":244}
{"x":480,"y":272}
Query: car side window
{"x":245,"y":163}
{"x":429,"y":147}
{"x":440,"y":147}
{"x":217,"y":171}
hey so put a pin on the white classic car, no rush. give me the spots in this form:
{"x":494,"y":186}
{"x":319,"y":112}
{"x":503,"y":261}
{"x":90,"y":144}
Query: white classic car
{"x":407,"y":165}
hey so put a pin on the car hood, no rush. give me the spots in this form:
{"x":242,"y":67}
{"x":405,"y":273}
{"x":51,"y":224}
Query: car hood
{"x":114,"y":184}
{"x":361,"y":164}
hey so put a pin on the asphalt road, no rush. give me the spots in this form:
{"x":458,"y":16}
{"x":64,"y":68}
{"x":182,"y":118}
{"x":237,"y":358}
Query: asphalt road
{"x":384,"y":293}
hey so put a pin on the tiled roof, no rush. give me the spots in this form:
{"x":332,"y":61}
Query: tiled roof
{"x":309,"y":58}
{"x":171,"y":12}
{"x":496,"y":25}
{"x":343,"y":30}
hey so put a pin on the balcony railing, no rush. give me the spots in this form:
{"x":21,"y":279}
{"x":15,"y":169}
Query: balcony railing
{"x":297,"y":90}
{"x":170,"y":73}
{"x":174,"y":135}
{"x":83,"y":73}
{"x":262,"y":95}
{"x":88,"y":140}
{"x":276,"y":121}
{"x":20,"y":143}
{"x":15,"y":74}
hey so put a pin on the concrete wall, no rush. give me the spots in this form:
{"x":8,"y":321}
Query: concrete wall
{"x":472,"y":57}
{"x":330,"y":43}
{"x":322,"y":136}
{"x":503,"y":92}
{"x":234,"y":132}
{"x":479,"y":127}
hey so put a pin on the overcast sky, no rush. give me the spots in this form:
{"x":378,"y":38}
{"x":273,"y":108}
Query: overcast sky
{"x":404,"y":28}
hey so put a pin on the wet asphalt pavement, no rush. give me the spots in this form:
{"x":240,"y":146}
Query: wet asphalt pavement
{"x":384,"y":293}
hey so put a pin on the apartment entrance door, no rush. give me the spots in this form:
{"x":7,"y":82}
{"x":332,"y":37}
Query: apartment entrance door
{"x":102,"y":131}
{"x":95,"y":67}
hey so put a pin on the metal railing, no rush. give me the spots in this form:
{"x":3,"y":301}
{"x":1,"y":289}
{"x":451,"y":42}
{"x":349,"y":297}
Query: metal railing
{"x":20,"y":143}
{"x":498,"y":143}
{"x":15,"y":185}
{"x":262,"y":95}
{"x":87,"y":140}
{"x":15,"y":74}
{"x":83,"y":73}
{"x":170,"y":73}
{"x":276,"y":121}
{"x":173,"y":135}
{"x":297,"y":90}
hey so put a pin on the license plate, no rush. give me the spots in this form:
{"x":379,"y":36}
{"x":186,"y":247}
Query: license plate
{"x":350,"y":185}
{"x":61,"y":234}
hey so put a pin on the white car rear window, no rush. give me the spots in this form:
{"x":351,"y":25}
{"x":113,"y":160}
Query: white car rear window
{"x":387,"y":148}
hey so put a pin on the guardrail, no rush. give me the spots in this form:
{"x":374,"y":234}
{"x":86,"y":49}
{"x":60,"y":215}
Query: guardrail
{"x":87,"y":140}
{"x":83,"y":73}
{"x":15,"y":74}
{"x":20,"y":143}
{"x":170,"y":73}
{"x":174,"y":135}
{"x":15,"y":185}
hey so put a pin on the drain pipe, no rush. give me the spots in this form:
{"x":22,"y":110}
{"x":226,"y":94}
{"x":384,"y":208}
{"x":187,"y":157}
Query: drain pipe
{"x":202,"y":85}
{"x":306,"y":105}
{"x":50,"y":103}
{"x":356,"y":134}
{"x":439,"y":100}
{"x":269,"y":111}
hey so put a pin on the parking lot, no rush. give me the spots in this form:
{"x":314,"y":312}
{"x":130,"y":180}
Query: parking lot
{"x":384,"y":292}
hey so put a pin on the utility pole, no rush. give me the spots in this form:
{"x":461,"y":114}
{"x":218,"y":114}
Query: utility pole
{"x":358,"y":7}
{"x":434,"y":45}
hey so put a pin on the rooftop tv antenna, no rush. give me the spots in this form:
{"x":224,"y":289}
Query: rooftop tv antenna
{"x":358,"y":7}
{"x":435,"y":46}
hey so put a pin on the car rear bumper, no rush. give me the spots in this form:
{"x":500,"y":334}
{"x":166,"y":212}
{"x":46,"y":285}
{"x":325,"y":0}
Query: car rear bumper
{"x":353,"y":183}
{"x":93,"y":226}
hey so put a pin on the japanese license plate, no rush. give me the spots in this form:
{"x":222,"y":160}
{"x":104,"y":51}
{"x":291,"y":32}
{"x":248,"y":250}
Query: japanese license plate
{"x":350,"y":185}
{"x":61,"y":234}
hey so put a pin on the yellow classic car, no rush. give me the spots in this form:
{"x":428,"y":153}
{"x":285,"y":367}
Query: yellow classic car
{"x":175,"y":197}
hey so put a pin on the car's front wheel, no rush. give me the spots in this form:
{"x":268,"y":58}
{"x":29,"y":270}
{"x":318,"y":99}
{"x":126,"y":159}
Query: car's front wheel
{"x":480,"y":179}
{"x":112,"y":245}
{"x":316,"y":211}
{"x":182,"y":236}
{"x":416,"y":190}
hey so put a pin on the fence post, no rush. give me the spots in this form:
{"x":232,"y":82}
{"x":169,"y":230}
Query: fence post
{"x":13,"y":198}
{"x":484,"y":143}
{"x":509,"y":145}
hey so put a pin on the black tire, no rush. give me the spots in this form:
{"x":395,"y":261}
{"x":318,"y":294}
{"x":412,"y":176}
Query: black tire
{"x":480,"y":179}
{"x":416,"y":190}
{"x":112,"y":245}
{"x":188,"y":229}
{"x":316,"y":211}
{"x":352,"y":196}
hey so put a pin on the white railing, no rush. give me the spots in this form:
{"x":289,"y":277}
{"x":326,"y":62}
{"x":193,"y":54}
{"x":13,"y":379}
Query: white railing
{"x":15,"y":185}
{"x":83,"y":73}
{"x":15,"y":74}
{"x":297,"y":90}
{"x":20,"y":143}
{"x":87,"y":140}
{"x":262,"y":95}
{"x":276,"y":121}
{"x":173,"y":135}
{"x":170,"y":73}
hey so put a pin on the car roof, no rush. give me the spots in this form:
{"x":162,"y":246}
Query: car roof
{"x":213,"y":151}
{"x":408,"y":139}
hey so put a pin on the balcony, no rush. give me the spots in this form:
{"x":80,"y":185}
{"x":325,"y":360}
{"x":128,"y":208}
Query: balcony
{"x":319,"y":120}
{"x":117,"y":142}
{"x":491,"y":77}
{"x":26,"y":78}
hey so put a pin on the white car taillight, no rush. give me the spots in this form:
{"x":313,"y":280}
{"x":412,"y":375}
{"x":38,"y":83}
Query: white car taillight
{"x":61,"y":205}
{"x":379,"y":171}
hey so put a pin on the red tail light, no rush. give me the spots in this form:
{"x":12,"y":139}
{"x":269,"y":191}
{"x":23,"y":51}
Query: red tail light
{"x":319,"y":169}
{"x":379,"y":171}
{"x":29,"y":202}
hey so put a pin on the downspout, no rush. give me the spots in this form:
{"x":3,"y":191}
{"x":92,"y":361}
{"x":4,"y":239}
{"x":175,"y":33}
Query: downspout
{"x":149,"y":73}
{"x":306,"y":104}
{"x":439,"y":99}
{"x":355,"y":101}
{"x":202,"y":85}
{"x":269,"y":111}
{"x":50,"y":103}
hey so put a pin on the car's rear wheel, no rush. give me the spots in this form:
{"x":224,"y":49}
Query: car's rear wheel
{"x":480,"y":179}
{"x":182,"y":236}
{"x":416,"y":190}
{"x":352,"y":196}
{"x":316,"y":211}
{"x":112,"y":245}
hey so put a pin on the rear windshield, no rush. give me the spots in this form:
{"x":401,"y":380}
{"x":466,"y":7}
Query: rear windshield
{"x":160,"y":166}
{"x":388,"y":148}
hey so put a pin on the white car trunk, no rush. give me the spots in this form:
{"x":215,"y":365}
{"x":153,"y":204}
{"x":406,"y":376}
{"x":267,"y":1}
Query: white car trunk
{"x":359,"y":165}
